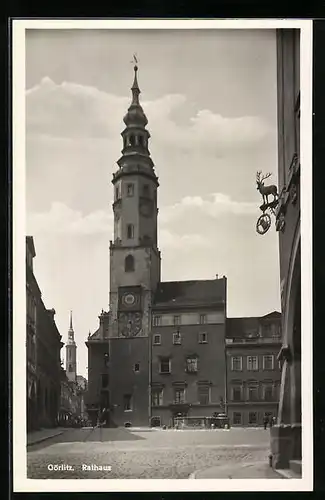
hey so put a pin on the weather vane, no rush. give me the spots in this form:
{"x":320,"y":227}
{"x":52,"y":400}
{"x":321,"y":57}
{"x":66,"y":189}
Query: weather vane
{"x":134,"y":60}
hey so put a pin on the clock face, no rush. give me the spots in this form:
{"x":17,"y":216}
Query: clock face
{"x":128,"y":299}
{"x":146,"y":209}
{"x":130,"y":324}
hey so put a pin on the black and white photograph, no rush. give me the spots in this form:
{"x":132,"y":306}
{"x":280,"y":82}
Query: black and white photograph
{"x":162,"y":255}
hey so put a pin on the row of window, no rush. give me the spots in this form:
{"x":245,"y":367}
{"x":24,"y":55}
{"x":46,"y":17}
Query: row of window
{"x":179,"y":397}
{"x":157,"y":320}
{"x":255,"y":392}
{"x":191,"y":365}
{"x":130,"y":235}
{"x":129,"y":191}
{"x":253,"y":417}
{"x":252,"y":363}
{"x":135,"y":140}
{"x":177,"y":338}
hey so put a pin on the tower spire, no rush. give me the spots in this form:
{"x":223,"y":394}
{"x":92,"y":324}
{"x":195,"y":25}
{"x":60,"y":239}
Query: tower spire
{"x":71,"y":328}
{"x":135,"y":87}
{"x":71,"y":331}
{"x":135,"y":115}
{"x":71,"y":353}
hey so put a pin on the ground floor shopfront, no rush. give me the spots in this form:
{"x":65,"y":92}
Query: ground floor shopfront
{"x":169,"y":415}
{"x":251,"y":415}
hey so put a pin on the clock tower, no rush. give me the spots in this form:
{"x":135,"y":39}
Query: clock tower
{"x":134,"y":267}
{"x":71,"y":354}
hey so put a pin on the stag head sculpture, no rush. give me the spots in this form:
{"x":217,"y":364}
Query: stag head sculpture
{"x":266,"y":190}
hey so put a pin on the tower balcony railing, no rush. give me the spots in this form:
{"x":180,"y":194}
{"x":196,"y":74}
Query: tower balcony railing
{"x":116,"y":243}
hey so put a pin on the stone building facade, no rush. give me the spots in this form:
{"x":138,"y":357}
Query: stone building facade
{"x":125,"y":364}
{"x":48,"y":366}
{"x":43,"y":342}
{"x":253,"y":370}
{"x":187,"y":350}
{"x":286,"y":436}
{"x":33,"y":296}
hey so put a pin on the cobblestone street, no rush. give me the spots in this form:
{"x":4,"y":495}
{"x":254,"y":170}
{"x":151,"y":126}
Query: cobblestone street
{"x":143,"y":454}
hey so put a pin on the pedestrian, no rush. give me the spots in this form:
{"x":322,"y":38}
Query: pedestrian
{"x":265,"y":422}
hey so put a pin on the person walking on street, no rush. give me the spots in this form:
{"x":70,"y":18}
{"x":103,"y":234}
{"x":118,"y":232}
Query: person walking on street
{"x":265,"y":422}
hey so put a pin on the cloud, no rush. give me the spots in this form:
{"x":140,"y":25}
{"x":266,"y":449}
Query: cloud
{"x":61,"y":219}
{"x":70,"y":110}
{"x":169,"y":240}
{"x":214,"y":205}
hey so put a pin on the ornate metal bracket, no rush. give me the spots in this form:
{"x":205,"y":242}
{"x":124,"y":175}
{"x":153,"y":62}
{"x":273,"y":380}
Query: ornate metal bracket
{"x":285,"y":354}
{"x":263,"y":223}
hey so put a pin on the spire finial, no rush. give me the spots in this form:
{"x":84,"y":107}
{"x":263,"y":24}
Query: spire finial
{"x":71,"y":328}
{"x":135,"y":87}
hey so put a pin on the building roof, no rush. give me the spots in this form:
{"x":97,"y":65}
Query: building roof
{"x":189,"y":293}
{"x":95,"y":335}
{"x":243,"y":327}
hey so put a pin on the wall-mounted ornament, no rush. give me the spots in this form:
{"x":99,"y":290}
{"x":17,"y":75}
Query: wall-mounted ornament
{"x":264,"y":221}
{"x":130,"y":324}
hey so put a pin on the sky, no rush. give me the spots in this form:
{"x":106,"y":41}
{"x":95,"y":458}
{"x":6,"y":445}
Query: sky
{"x":210,"y":100}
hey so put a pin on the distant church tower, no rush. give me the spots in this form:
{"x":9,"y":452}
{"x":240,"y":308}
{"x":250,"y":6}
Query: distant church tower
{"x":71,"y":354}
{"x":134,"y":267}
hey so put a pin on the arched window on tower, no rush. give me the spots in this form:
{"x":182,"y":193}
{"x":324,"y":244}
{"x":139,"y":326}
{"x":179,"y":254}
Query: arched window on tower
{"x":70,"y":368}
{"x":129,"y":264}
{"x":132,"y":140}
{"x":141,"y":140}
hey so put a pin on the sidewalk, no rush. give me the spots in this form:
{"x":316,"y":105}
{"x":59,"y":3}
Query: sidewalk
{"x":253,"y":470}
{"x":44,"y":434}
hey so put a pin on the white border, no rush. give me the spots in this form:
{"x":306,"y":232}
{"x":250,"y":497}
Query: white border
{"x":20,"y":481}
